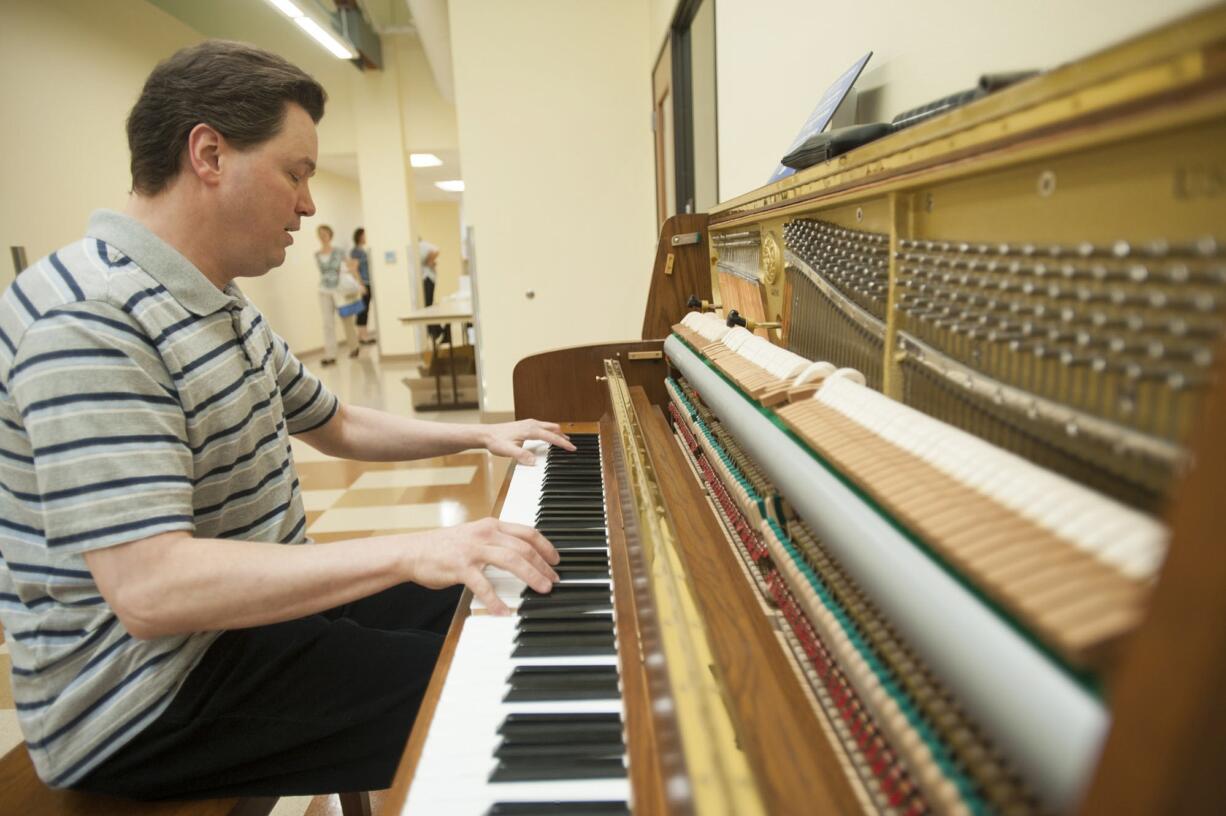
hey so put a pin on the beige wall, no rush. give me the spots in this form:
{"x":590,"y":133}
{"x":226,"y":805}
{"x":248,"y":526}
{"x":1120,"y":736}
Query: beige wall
{"x":661,"y":12}
{"x":774,"y":66}
{"x":69,"y":74}
{"x":70,"y":71}
{"x":387,"y":199}
{"x":429,"y":120}
{"x":553,"y":101}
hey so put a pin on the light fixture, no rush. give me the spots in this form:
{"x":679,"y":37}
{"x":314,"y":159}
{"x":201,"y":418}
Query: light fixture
{"x":452,"y":186}
{"x":312,"y":27}
{"x":425,"y":160}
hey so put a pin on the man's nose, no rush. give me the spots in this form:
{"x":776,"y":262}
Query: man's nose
{"x":306,"y":205}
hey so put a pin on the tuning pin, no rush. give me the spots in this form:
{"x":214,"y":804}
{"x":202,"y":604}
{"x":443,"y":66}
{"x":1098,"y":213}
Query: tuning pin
{"x":735,"y":319}
{"x":701,"y":305}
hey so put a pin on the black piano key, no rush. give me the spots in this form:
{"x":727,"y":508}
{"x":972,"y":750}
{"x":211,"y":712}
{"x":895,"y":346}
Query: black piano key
{"x":565,"y":545}
{"x":572,"y":498}
{"x":523,"y":722}
{"x":532,"y":694}
{"x":586,"y":649}
{"x":580,"y":558}
{"x":577,"y":517}
{"x":584,"y":559}
{"x":567,"y":684}
{"x":561,"y":750}
{"x":574,"y":532}
{"x":558,"y":808}
{"x":592,"y":591}
{"x":581,"y":572}
{"x":532,"y":769}
{"x":575,"y":623}
{"x":551,"y":644}
{"x":561,"y":609}
{"x":593,"y":550}
{"x":589,"y":532}
{"x":568,"y":674}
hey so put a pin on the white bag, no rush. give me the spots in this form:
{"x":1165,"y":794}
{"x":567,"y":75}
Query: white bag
{"x":347,"y":286}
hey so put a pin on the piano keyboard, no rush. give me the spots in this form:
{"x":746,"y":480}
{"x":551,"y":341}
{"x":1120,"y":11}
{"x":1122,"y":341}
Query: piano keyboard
{"x":530,"y":719}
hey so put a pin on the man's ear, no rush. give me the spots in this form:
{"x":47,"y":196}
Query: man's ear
{"x":204,"y":149}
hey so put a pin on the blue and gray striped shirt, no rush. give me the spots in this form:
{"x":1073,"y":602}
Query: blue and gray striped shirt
{"x":136,"y":398}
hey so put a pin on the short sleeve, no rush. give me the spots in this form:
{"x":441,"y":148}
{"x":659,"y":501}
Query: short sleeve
{"x":105,"y":427}
{"x":308,"y":405}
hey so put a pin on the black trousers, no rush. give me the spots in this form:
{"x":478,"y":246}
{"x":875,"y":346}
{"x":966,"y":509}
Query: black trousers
{"x":323,"y":704}
{"x":364,"y":316}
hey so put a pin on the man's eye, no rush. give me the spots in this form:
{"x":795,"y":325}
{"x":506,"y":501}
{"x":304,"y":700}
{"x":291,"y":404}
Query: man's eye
{"x":295,"y":177}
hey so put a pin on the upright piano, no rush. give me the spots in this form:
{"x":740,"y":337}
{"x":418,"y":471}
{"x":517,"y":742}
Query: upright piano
{"x":907,"y":500}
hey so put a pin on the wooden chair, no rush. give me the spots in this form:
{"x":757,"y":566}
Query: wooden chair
{"x":21,"y":791}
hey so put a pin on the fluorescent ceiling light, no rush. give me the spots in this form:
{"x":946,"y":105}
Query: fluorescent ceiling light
{"x":453,"y":186}
{"x":324,"y":38}
{"x":317,"y":32}
{"x":287,"y":8}
{"x":424,"y":160}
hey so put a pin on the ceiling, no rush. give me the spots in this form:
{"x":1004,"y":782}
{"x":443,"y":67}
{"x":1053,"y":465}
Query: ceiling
{"x":423,"y":177}
{"x":255,"y":21}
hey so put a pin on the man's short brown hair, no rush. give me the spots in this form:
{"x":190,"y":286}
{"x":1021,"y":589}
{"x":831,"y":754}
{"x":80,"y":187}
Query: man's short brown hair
{"x":238,"y":89}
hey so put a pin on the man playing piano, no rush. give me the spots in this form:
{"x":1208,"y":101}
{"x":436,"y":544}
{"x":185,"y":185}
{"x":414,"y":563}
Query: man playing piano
{"x":167,"y":638}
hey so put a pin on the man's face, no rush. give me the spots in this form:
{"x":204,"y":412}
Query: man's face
{"x":265,"y":195}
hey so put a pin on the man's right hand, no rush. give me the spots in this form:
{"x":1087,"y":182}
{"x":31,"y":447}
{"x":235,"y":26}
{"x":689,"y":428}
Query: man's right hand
{"x":458,"y":555}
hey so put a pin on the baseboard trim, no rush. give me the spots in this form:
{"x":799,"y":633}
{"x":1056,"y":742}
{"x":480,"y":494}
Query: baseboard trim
{"x":414,"y":357}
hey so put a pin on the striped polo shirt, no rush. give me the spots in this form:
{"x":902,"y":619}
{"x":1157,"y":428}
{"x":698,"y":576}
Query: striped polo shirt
{"x":136,"y":398}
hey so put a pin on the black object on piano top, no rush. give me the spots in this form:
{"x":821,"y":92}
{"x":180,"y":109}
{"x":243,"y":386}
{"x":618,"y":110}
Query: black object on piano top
{"x":826,"y":145}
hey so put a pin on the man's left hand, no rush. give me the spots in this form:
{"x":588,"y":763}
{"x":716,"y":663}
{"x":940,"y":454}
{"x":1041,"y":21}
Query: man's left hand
{"x":507,"y":438}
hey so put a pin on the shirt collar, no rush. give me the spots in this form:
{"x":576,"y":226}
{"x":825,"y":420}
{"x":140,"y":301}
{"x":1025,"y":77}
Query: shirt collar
{"x":162,"y":262}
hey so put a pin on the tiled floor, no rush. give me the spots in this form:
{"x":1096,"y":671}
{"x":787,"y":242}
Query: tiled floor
{"x":352,"y":500}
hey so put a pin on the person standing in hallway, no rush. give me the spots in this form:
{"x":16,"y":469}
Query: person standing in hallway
{"x":429,"y":279}
{"x":362,"y":258}
{"x":332,"y":265}
{"x":429,"y":271}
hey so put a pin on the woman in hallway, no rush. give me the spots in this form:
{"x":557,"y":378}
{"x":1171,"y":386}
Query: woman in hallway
{"x":360,"y":256}
{"x":332,"y":265}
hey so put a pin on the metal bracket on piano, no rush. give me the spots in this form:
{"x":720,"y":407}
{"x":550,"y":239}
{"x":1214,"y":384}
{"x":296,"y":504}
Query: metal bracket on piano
{"x":686,"y":238}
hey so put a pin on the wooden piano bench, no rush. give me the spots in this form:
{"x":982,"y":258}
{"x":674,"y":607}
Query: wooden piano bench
{"x":22,"y":792}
